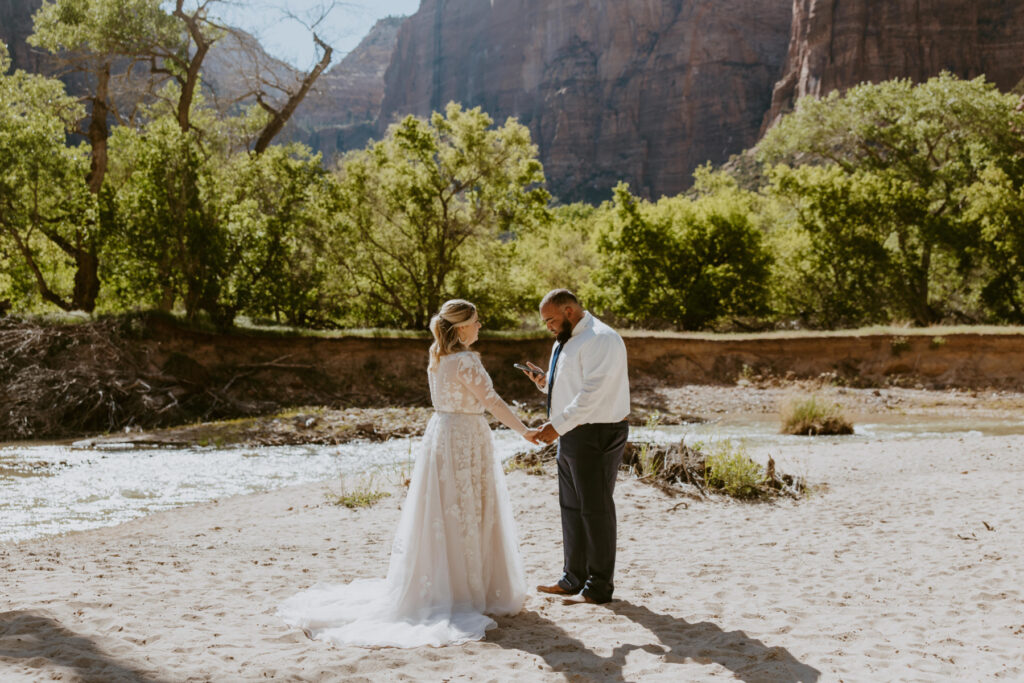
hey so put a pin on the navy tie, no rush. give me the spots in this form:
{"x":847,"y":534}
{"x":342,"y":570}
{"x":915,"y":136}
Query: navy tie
{"x":551,"y":374}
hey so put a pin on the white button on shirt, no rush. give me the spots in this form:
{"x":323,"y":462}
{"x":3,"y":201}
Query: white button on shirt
{"x":591,"y":380}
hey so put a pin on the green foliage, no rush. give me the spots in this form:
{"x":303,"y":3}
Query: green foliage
{"x":169,"y":243}
{"x":890,"y":202}
{"x":561,"y":252}
{"x":912,"y":157}
{"x":105,"y":28}
{"x":833,"y":268}
{"x":899,"y":344}
{"x":682,"y":262}
{"x":431,"y":212}
{"x":45,"y":207}
{"x":729,"y":468}
{"x":223,"y":232}
{"x":997,"y":207}
{"x":276,"y":209}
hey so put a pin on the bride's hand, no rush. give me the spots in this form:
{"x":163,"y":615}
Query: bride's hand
{"x":531,"y":436}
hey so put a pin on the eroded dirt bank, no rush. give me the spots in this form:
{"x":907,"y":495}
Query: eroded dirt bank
{"x":149,"y":371}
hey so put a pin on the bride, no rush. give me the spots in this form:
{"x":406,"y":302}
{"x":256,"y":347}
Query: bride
{"x":455,"y":557}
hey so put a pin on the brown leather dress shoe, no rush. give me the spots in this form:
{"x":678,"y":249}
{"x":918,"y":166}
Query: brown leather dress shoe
{"x":555,"y":590}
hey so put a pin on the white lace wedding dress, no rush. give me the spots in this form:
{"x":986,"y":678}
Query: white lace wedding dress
{"x":455,"y":557}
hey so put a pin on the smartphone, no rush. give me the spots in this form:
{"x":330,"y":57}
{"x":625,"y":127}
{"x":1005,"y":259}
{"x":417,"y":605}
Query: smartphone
{"x":526,"y":368}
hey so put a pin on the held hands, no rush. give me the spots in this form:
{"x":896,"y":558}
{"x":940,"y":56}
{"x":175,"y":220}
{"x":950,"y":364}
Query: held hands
{"x":546,"y":433}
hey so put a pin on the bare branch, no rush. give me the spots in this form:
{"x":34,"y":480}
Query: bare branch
{"x":278,"y":120}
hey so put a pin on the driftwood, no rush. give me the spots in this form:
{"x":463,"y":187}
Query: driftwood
{"x":790,"y":488}
{"x":676,"y":469}
{"x":74,"y":379}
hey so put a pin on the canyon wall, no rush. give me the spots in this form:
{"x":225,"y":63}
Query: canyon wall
{"x":15,"y":26}
{"x":836,"y":45}
{"x":638,"y":90}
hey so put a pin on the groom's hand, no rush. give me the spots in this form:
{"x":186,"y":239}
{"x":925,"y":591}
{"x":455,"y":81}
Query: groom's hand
{"x":547,"y":433}
{"x":538,"y":376}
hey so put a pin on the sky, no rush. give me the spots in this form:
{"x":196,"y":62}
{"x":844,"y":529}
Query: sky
{"x":289,"y":40}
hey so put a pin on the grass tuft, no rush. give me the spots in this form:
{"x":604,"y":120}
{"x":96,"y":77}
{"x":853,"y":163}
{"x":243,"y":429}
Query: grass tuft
{"x":811,"y":416}
{"x":650,"y":465}
{"x":363,"y":494}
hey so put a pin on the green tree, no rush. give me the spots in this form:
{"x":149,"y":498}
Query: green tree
{"x":90,"y":37}
{"x":219,"y":229}
{"x":562,"y":252}
{"x":278,"y":207}
{"x":833,"y":268}
{"x":168,"y":245}
{"x":432,"y":211}
{"x":46,"y":211}
{"x":997,"y":204}
{"x":138,"y":47}
{"x":686,"y":262}
{"x":925,"y":145}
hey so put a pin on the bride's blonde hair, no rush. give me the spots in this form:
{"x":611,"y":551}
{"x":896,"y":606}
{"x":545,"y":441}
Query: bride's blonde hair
{"x":444,"y":326}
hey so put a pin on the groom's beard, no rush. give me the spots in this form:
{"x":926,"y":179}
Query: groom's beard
{"x":564,"y":333}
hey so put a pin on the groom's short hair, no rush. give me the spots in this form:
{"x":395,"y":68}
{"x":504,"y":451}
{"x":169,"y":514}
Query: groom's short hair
{"x":559,"y":297}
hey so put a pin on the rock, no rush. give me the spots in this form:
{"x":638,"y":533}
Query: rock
{"x":836,"y":45}
{"x":638,"y":90}
{"x":15,"y":27}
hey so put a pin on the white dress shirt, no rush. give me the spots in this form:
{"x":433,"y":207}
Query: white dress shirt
{"x":591,"y":382}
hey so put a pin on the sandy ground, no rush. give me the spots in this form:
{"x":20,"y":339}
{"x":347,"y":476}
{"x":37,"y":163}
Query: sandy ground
{"x":905,"y":564}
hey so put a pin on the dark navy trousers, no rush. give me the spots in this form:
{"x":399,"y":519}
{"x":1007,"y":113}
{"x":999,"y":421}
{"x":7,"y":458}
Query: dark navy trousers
{"x":589,"y":457}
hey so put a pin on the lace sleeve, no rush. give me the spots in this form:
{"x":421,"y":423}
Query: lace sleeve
{"x":472,"y":374}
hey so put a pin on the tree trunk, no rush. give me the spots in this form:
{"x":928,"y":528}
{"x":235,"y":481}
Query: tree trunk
{"x":923,"y":313}
{"x":98,"y":131}
{"x":87,"y":279}
{"x":278,"y":118}
{"x":190,"y":80}
{"x":87,"y":262}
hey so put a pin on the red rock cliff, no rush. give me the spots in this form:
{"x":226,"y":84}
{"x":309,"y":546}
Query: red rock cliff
{"x":835,"y":45}
{"x":341,"y":113}
{"x":639,"y":90}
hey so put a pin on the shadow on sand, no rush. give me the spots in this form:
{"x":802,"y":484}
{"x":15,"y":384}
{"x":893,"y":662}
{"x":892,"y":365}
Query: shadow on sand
{"x":38,"y":642}
{"x":677,"y":641}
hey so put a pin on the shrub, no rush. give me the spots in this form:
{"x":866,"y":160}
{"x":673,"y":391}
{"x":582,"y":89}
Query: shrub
{"x":810,"y":416}
{"x":729,"y":468}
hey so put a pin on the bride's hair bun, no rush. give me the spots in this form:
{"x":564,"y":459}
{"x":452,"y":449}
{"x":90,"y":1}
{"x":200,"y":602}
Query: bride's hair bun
{"x":444,"y":327}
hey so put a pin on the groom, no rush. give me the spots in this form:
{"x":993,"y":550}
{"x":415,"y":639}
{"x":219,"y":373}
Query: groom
{"x":588,"y":403}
